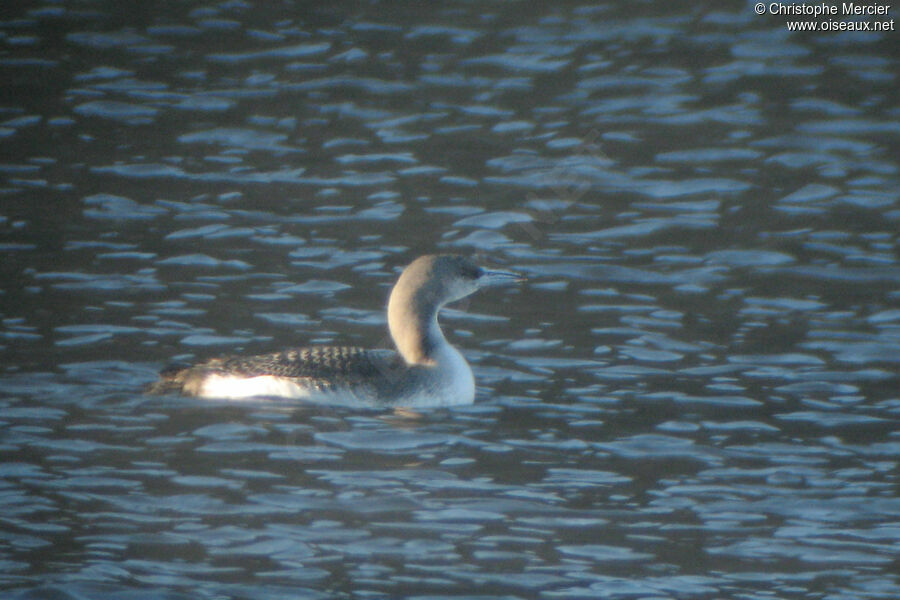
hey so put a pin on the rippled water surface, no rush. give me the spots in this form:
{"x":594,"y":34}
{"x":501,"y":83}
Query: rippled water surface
{"x":695,"y":395}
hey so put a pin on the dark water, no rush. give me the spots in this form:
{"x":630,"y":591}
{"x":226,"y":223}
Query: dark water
{"x":694,"y":396}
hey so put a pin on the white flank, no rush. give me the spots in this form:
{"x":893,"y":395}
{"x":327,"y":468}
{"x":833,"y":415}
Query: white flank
{"x":234,"y":387}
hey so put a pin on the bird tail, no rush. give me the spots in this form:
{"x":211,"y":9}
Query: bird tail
{"x":171,"y":379}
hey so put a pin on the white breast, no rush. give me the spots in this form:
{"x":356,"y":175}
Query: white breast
{"x":454,"y":382}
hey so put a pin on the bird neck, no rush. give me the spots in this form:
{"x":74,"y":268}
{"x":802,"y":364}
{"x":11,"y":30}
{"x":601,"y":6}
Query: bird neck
{"x":412,"y":319}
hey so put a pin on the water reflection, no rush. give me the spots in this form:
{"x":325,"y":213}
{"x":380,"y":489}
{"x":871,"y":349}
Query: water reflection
{"x":694,"y":396}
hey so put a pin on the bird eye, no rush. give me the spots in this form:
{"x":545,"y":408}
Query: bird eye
{"x":474,"y":272}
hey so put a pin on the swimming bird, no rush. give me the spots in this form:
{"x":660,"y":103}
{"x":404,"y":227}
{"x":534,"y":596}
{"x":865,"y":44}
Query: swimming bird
{"x":425,"y":370}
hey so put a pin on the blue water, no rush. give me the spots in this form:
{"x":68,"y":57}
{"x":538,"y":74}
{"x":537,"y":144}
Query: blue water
{"x":695,"y":395}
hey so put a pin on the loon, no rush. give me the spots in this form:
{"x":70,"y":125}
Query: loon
{"x":425,"y":370}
